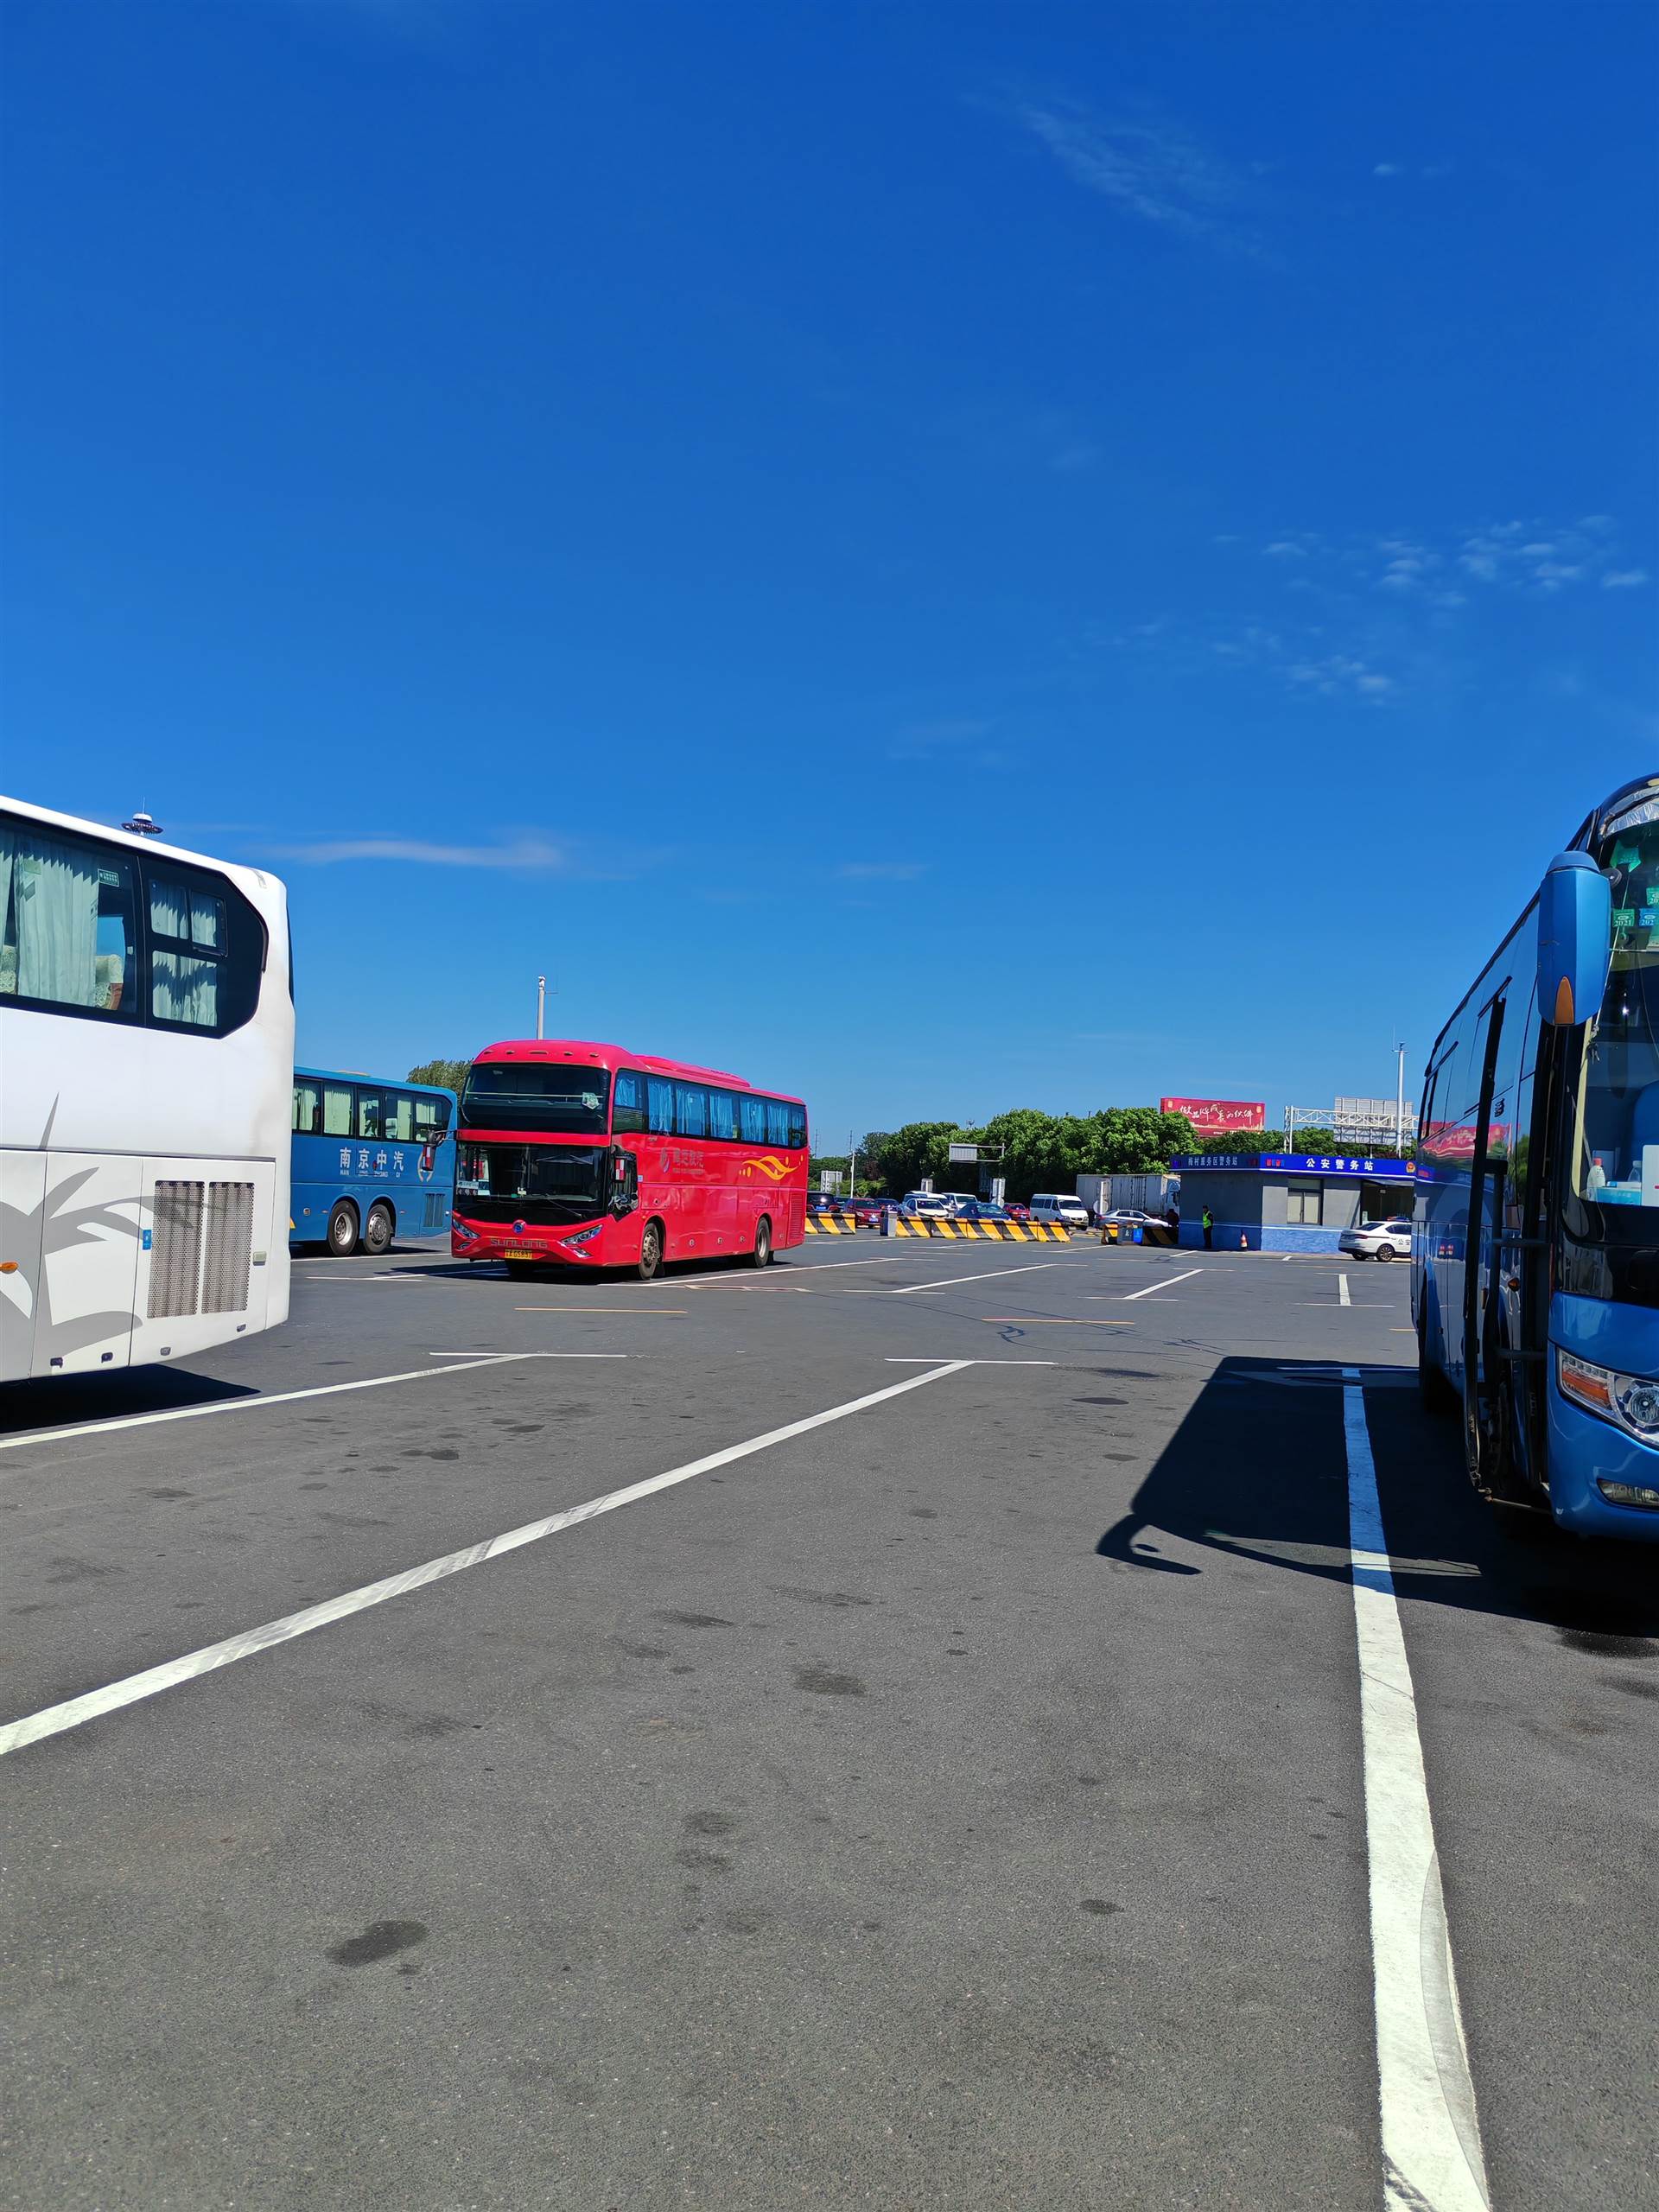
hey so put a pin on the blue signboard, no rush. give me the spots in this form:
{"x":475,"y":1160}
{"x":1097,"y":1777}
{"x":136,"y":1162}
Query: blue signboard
{"x":1352,"y":1164}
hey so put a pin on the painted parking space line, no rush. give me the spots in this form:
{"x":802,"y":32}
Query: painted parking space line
{"x":1342,"y":1299}
{"x":985,"y":1275}
{"x":74,"y":1711}
{"x":1164,"y":1282}
{"x":925,"y":1359}
{"x":256,"y":1398}
{"x":1432,"y":2152}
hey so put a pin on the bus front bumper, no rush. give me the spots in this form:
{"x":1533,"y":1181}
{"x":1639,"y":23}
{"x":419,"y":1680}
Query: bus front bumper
{"x":577,"y":1246}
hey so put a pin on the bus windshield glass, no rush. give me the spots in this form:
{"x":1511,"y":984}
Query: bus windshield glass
{"x":550,"y":1097}
{"x":1615,"y":1155}
{"x":546,"y":1184}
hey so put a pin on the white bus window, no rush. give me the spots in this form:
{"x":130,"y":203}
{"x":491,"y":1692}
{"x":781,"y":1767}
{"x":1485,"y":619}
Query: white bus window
{"x":336,"y":1110}
{"x":432,"y":1118}
{"x":398,"y":1117}
{"x":206,"y":920}
{"x":306,"y":1099}
{"x":184,"y":974}
{"x":368,"y":1112}
{"x":183,"y":989}
{"x":66,"y":922}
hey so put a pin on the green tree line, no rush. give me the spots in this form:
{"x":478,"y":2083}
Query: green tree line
{"x":1041,"y":1151}
{"x":450,"y":1075}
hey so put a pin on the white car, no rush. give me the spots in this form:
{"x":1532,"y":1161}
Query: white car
{"x":1132,"y":1215}
{"x":1377,"y":1240}
{"x":1069,"y":1211}
{"x":928,"y":1204}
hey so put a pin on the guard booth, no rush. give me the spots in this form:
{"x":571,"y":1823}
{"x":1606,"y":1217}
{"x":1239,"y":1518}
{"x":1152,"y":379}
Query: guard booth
{"x":1288,"y":1201}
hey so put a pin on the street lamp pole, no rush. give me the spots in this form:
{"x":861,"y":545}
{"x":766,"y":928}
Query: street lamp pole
{"x":1399,"y":1105}
{"x":541,"y":1008}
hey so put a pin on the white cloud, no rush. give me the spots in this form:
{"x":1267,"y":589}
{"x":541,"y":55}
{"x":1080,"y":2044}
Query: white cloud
{"x":1147,"y":166}
{"x":1623,"y":579}
{"x":1286,"y":549}
{"x":530,"y":852}
{"x":1386,"y":169}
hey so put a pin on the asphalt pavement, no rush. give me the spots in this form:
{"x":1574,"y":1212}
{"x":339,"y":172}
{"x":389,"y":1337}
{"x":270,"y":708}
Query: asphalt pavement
{"x":910,"y":1752}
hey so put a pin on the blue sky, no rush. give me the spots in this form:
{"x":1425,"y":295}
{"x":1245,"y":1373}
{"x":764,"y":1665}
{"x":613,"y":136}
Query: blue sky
{"x":943,"y":557}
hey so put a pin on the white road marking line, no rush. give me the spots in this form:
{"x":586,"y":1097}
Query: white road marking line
{"x":75,"y":1710}
{"x":279,"y":1397}
{"x":1163,"y":1282}
{"x":985,"y":1275}
{"x":1432,"y":2156}
{"x":1343,"y":1298}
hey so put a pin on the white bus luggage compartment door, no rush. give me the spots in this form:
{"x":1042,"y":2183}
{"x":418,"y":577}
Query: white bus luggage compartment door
{"x":22,"y":1189}
{"x":205,"y":1256}
{"x":84,"y":1297}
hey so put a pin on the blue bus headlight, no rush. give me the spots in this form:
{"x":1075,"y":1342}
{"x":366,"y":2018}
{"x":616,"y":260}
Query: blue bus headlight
{"x":1630,"y":1402}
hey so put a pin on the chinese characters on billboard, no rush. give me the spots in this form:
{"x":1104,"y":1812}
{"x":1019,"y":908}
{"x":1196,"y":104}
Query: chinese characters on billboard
{"x":1212,"y":1116}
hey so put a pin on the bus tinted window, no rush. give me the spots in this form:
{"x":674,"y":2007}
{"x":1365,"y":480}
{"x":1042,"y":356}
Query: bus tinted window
{"x":690,"y":1110}
{"x":368,"y":1112}
{"x":398,"y":1117}
{"x":628,"y":1103}
{"x":659,"y":1106}
{"x":308,"y":1104}
{"x":207,"y":946}
{"x":547,"y":1096}
{"x":776,"y":1121}
{"x":796,"y":1136}
{"x":431,"y":1117}
{"x":752,"y":1116}
{"x":336,"y":1110}
{"x":723,"y":1114}
{"x":67,"y":934}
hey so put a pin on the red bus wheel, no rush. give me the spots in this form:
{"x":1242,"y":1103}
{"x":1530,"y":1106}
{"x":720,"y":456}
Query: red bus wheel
{"x":763,"y":1243}
{"x":651,"y":1250}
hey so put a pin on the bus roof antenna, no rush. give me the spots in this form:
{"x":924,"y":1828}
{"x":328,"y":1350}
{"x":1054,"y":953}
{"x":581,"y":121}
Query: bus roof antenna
{"x":144,"y":825}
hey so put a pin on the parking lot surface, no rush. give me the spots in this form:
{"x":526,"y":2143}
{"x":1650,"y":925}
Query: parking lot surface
{"x":912,"y":1750}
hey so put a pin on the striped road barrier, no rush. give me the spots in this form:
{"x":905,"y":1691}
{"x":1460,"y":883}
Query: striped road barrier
{"x":992,"y":1232}
{"x":831,"y":1224}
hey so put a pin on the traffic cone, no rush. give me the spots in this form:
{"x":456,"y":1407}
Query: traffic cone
{"x":1243,"y":1242}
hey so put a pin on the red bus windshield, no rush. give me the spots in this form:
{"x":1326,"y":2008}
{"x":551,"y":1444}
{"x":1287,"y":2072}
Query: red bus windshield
{"x":551,"y":1097}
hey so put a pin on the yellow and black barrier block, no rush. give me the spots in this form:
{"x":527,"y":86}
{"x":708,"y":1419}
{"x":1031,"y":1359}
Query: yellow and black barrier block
{"x":990,"y":1232}
{"x":831,"y":1224}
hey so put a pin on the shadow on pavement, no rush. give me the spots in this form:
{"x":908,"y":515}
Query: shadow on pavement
{"x":59,"y":1402}
{"x":1258,"y":1469}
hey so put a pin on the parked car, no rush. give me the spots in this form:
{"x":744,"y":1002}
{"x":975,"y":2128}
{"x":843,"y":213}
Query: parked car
{"x":1377,"y":1240}
{"x":926,"y":1205}
{"x":1017,"y":1210}
{"x":1059,"y":1206}
{"x":979,"y":1210}
{"x":867,"y":1212}
{"x":826,"y":1202}
{"x":1130,"y":1217}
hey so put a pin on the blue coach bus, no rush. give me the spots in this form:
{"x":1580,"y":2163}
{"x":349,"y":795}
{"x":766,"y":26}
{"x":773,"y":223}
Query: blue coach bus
{"x":1535,"y":1267}
{"x":372,"y":1159}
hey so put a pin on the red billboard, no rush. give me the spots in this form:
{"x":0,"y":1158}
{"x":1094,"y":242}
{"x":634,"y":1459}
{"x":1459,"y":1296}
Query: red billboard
{"x":1215,"y":1116}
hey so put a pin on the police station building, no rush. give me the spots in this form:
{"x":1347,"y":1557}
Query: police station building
{"x":1287,"y":1201}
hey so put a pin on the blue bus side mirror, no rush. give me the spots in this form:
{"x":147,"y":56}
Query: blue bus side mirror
{"x":1575,"y":930}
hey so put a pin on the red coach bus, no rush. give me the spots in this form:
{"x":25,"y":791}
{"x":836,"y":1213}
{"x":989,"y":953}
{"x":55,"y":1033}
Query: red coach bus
{"x":573,"y":1154}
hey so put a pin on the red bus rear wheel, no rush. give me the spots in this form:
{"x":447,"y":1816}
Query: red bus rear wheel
{"x":763,"y":1242}
{"x":651,"y":1250}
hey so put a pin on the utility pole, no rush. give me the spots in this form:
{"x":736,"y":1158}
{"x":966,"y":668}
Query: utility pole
{"x":541,"y":1008}
{"x":1400,"y":1106}
{"x":852,"y":1165}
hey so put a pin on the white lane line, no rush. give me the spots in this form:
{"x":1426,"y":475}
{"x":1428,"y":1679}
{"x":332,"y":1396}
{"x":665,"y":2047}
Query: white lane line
{"x":1432,"y":2156}
{"x":915,"y":1359}
{"x":74,"y":1711}
{"x":1164,"y":1282}
{"x":985,"y":1275}
{"x":279,"y":1397}
{"x":1343,"y":1298}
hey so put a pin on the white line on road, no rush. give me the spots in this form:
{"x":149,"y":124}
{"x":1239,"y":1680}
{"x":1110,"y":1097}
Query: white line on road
{"x":1343,"y":1298}
{"x":75,"y":1710}
{"x":1432,"y":2156}
{"x":1164,"y":1282}
{"x":915,"y":1359}
{"x":284,"y":1397}
{"x":984,"y":1275}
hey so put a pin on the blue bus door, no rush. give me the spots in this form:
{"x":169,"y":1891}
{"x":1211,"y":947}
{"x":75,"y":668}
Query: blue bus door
{"x":1483,"y":1429}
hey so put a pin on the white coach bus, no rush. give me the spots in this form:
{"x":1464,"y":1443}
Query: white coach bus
{"x":146,"y":1067}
